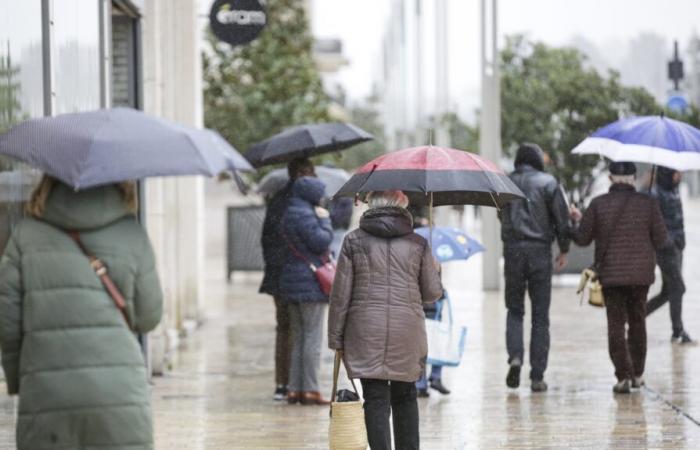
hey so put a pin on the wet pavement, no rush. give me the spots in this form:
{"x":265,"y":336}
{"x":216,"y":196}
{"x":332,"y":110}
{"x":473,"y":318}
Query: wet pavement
{"x":219,"y":393}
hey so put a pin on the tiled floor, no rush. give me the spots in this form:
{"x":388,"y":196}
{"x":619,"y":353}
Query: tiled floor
{"x":219,"y":394}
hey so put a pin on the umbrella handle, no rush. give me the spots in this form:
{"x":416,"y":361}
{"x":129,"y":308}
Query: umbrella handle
{"x":430,"y":221}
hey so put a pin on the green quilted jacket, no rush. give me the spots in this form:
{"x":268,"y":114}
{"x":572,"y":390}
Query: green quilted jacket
{"x":66,"y":349}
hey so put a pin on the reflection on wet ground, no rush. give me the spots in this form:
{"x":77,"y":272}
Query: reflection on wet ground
{"x":219,"y":394}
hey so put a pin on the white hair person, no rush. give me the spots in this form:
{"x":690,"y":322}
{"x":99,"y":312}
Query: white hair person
{"x":380,"y":199}
{"x":623,"y":179}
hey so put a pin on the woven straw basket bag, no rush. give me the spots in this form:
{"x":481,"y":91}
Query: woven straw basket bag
{"x":347,"y":429}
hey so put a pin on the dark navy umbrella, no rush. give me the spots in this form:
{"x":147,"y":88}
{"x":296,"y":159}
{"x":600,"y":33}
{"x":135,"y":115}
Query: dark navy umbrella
{"x":654,"y":140}
{"x":111,"y":145}
{"x":304,"y":141}
{"x":450,"y":244}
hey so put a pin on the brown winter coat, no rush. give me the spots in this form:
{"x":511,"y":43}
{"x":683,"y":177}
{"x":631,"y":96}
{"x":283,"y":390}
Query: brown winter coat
{"x":631,"y":255}
{"x":385,"y":274}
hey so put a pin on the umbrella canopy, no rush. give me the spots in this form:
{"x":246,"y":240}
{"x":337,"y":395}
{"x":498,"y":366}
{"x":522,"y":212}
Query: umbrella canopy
{"x":305,"y":141}
{"x":332,"y":177}
{"x":654,"y":140}
{"x":450,"y":244}
{"x":453,"y":177}
{"x":111,"y":145}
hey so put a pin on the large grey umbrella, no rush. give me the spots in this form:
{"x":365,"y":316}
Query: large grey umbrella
{"x":304,"y":141}
{"x":333,"y":177}
{"x":111,"y":145}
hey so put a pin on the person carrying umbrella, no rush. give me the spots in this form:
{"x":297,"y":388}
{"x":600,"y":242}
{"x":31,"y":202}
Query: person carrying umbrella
{"x":274,"y":257}
{"x":628,"y":230}
{"x":670,"y":257}
{"x":66,"y":349}
{"x":78,"y":276}
{"x":528,"y":228}
{"x":385,"y":273}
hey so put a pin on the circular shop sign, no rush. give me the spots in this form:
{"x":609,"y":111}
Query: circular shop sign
{"x":237,"y":22}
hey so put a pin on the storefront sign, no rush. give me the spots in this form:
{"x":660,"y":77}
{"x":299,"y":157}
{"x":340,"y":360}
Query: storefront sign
{"x":237,"y":22}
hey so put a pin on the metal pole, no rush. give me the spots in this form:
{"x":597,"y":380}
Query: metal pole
{"x":419,"y":138}
{"x":442,"y":134}
{"x":105,"y":20}
{"x":47,"y":55}
{"x":490,"y":137}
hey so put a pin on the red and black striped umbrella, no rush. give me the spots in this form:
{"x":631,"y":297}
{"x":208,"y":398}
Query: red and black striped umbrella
{"x":453,"y":177}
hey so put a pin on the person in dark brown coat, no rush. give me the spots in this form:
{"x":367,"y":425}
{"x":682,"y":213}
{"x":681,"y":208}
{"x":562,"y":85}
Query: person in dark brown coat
{"x":385,"y":274}
{"x":628,"y":229}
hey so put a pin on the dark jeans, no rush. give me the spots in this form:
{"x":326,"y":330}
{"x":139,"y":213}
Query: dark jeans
{"x":395,"y":398}
{"x":625,"y":305}
{"x":528,"y":268}
{"x":670,"y":261}
{"x":283,"y":343}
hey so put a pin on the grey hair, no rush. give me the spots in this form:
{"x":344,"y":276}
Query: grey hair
{"x":623,"y":179}
{"x":380,"y":199}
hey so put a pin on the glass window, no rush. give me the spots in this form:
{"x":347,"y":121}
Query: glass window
{"x":76,"y":49}
{"x":21,"y":97}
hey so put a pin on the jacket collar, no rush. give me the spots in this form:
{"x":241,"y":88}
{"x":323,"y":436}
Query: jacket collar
{"x":387,"y":222}
{"x":622,"y":187}
{"x":526,"y":168}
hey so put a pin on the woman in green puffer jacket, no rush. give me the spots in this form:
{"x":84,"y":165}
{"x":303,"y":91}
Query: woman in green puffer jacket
{"x":66,"y":349}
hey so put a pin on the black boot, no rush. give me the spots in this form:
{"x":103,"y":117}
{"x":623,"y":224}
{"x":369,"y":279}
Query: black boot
{"x":438,"y":386}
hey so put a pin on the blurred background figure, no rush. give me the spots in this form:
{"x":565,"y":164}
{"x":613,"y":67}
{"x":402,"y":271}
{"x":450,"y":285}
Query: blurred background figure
{"x":274,"y":255}
{"x":670,"y":257}
{"x":528,"y":229}
{"x":628,"y":230}
{"x":74,"y":360}
{"x":307,"y":234}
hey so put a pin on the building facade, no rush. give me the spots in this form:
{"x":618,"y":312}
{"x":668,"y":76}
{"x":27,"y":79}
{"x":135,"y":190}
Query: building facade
{"x":61,"y":56}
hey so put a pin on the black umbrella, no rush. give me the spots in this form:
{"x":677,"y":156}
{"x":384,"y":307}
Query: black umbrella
{"x":304,"y":141}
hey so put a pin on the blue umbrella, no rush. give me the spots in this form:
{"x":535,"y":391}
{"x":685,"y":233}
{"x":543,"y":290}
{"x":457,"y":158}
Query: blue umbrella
{"x":450,"y":244}
{"x":654,"y":140}
{"x":111,"y":145}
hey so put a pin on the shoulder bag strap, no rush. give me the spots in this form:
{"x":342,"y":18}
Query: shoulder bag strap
{"x":599,"y":264}
{"x":101,"y":271}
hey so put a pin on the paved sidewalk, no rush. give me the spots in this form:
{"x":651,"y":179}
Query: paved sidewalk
{"x":219,"y":395}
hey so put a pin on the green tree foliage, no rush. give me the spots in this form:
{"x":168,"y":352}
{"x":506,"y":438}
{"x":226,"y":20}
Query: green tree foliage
{"x":366,"y":116}
{"x":550,"y":96}
{"x":10,"y":107}
{"x":462,"y":135}
{"x":254,"y":91}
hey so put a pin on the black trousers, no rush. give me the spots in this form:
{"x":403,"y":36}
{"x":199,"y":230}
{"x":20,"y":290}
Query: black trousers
{"x":283,"y":343}
{"x":670,"y":261}
{"x":398,"y":399}
{"x":625,"y":305}
{"x":528,"y":268}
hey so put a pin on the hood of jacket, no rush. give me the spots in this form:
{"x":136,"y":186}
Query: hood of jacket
{"x":530,"y":155}
{"x":310,"y":189}
{"x":84,"y":210}
{"x":664,"y":178}
{"x":387,"y":222}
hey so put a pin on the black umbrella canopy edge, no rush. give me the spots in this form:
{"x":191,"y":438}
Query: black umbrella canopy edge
{"x":448,"y":187}
{"x":256,"y":153}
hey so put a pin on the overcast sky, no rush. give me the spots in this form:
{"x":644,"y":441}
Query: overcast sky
{"x":361,"y":24}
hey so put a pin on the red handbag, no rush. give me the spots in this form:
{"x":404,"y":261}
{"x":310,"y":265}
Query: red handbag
{"x":325,"y":273}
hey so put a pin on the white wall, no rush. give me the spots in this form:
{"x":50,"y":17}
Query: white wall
{"x":172,"y":87}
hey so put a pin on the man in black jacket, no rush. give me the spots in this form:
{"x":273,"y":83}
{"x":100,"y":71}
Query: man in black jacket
{"x":670,"y":258}
{"x":274,"y":256}
{"x":528,"y":228}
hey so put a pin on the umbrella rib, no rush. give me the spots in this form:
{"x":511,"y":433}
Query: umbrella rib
{"x":84,"y":162}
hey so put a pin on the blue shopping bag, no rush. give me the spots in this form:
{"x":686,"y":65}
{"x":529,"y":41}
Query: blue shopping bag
{"x":445,"y":339}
